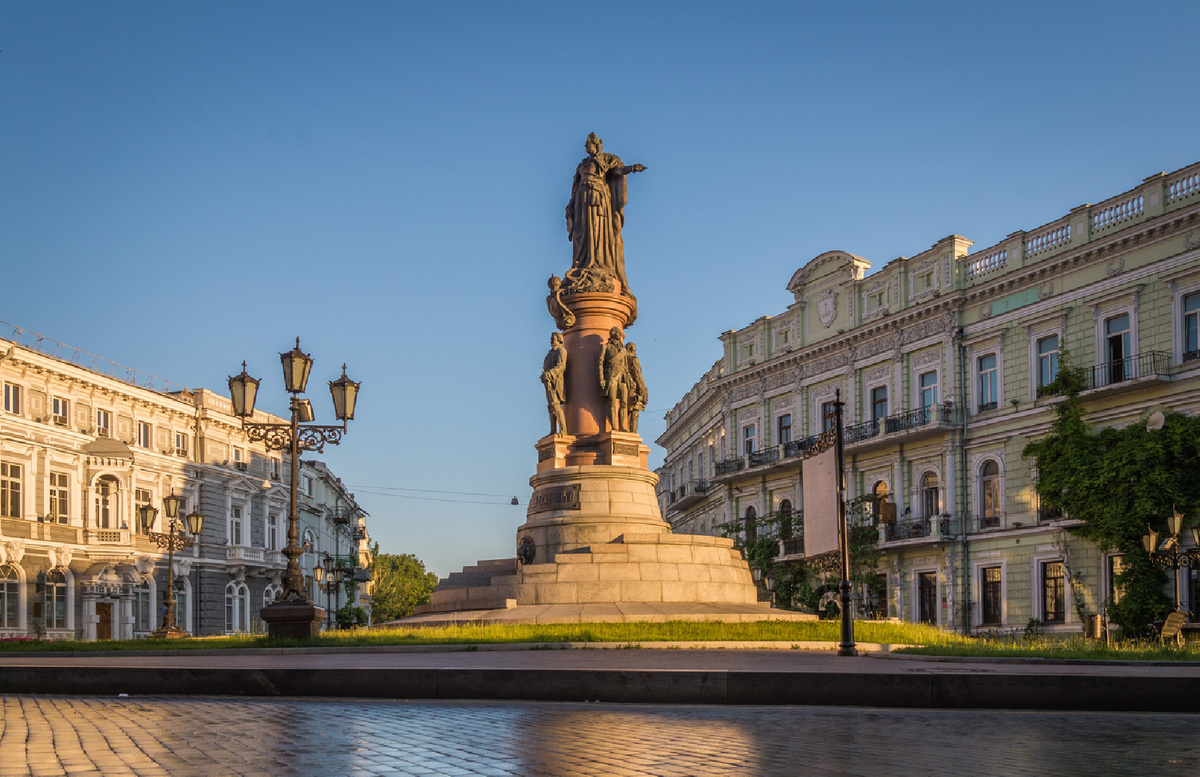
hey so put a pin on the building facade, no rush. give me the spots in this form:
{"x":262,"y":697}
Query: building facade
{"x":81,"y":450}
{"x":943,"y":360}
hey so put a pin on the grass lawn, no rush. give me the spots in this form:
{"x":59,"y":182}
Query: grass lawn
{"x":932,"y":641}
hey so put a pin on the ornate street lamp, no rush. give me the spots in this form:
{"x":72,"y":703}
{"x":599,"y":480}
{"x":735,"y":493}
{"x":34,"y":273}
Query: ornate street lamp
{"x":1170,"y":555}
{"x":293,"y":613}
{"x":328,"y":577}
{"x":172,"y":539}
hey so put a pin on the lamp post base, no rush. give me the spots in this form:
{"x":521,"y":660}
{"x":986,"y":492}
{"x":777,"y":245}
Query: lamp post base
{"x":292,"y":620}
{"x":169,"y":632}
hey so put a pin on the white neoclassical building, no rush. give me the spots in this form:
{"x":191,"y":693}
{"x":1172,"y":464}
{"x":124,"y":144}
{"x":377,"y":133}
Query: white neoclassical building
{"x":82,"y":447}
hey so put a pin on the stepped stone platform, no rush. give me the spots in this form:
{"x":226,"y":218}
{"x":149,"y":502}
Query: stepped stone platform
{"x":636,"y":577}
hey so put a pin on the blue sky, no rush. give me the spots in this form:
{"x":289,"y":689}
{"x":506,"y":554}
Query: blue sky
{"x":187,"y":185}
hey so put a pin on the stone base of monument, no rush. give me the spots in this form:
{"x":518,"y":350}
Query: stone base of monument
{"x":597,"y":549}
{"x":650,"y":576}
{"x":292,"y":620}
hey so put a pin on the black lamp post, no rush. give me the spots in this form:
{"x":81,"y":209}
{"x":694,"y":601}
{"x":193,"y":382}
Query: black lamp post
{"x":293,"y":613}
{"x":172,"y":539}
{"x":1170,"y":555}
{"x":328,"y":577}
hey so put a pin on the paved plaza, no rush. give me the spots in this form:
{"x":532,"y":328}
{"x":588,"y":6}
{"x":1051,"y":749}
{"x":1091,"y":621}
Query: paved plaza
{"x":190,"y":737}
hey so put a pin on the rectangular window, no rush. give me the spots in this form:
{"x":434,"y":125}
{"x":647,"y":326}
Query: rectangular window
{"x":141,"y":496}
{"x":1191,"y":327}
{"x":988,"y":398}
{"x":929,"y":388}
{"x":10,"y":490}
{"x":1053,"y":592}
{"x":275,"y":469}
{"x":106,"y":503}
{"x":307,"y":483}
{"x":60,"y":406}
{"x":235,"y":526}
{"x":12,"y":398}
{"x":60,"y":502}
{"x":785,"y":429}
{"x":927,"y":597}
{"x":782,"y":337}
{"x":144,"y":434}
{"x":9,"y":598}
{"x":55,"y":598}
{"x":1116,"y":565}
{"x":879,"y":405}
{"x":181,"y":444}
{"x":103,"y":423}
{"x":141,"y":609}
{"x":700,"y":468}
{"x":748,"y":351}
{"x":828,"y":416}
{"x":992,"y":603}
{"x":272,"y":532}
{"x":748,"y":433}
{"x":1047,"y":360}
{"x":1116,"y":335}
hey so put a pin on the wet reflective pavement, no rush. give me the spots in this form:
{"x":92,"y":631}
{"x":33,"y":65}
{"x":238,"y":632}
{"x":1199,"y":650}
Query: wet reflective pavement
{"x":221,"y":736}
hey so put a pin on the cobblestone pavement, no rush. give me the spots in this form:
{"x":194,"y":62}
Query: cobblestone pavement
{"x":217,"y":736}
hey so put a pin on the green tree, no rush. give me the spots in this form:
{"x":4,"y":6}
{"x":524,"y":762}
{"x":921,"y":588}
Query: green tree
{"x":1118,"y":482}
{"x":401,"y":583}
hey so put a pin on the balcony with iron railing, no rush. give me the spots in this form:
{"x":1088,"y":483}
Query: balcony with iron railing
{"x":917,"y":531}
{"x":906,"y":425}
{"x":687,"y":494}
{"x":1117,"y":375}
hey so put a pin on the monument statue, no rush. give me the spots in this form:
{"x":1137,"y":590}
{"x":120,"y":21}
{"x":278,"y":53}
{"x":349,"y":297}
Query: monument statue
{"x":638,"y":393}
{"x":554,"y":368}
{"x":613,"y":370}
{"x":595,"y":216}
{"x":561,"y":314}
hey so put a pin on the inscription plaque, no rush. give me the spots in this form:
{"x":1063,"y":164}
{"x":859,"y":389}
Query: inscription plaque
{"x":555,"y":498}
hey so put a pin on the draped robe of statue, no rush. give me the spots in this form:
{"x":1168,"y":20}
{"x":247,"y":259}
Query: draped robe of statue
{"x":596,"y":214}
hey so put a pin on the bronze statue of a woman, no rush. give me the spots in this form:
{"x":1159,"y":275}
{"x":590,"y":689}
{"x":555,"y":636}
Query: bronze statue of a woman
{"x":595,"y":216}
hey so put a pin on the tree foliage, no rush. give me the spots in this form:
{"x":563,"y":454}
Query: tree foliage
{"x":401,"y":583}
{"x":1119,"y":482}
{"x":802,"y":583}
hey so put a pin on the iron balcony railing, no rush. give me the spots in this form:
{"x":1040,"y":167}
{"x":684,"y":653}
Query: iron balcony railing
{"x":1152,"y":364}
{"x":1144,"y":365}
{"x":898,"y":422}
{"x":765,"y":456}
{"x":729,"y":466}
{"x":691,"y":488}
{"x":917,"y":528}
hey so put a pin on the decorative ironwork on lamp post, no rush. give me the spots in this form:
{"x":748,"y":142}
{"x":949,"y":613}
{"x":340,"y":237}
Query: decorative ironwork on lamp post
{"x":295,"y":436}
{"x":1170,"y":555}
{"x":172,"y":540}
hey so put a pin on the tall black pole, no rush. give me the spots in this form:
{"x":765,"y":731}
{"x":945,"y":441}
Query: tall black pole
{"x":846,"y":648}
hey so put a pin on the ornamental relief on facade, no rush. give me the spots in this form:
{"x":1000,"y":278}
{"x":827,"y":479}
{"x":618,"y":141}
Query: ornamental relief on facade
{"x":777,"y":380}
{"x":827,"y":307}
{"x":825,"y":390}
{"x":1116,"y":266}
{"x":1045,"y":291}
{"x":880,"y":373}
{"x":927,"y":357}
{"x":831,"y":362}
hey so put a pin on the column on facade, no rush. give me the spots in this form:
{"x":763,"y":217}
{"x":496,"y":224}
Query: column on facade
{"x":898,"y":486}
{"x":950,"y":478}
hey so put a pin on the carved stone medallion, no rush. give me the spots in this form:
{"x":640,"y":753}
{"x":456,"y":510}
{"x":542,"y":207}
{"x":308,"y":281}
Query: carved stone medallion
{"x":827,"y":307}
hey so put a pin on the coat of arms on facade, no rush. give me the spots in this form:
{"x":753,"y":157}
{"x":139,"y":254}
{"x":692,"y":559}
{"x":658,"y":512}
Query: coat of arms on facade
{"x":827,"y":307}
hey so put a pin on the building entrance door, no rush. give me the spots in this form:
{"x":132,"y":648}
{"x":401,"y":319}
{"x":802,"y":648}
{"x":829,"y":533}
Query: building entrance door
{"x":927,"y":596}
{"x":104,"y":625}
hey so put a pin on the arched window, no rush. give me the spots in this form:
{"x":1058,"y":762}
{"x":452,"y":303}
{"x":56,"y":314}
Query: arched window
{"x":751,"y":525}
{"x":108,"y":503}
{"x":785,"y":519}
{"x":270,"y":594}
{"x":930,"y":503}
{"x":989,"y":493}
{"x":54,"y":601}
{"x":141,"y":608}
{"x":183,"y":601}
{"x":10,"y":593}
{"x":237,"y":608}
{"x":879,"y":498}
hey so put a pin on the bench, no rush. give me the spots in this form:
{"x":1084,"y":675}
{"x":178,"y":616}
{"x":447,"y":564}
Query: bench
{"x":1172,"y":628}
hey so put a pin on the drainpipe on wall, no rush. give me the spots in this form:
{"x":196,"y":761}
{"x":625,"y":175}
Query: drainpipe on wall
{"x":963,"y":485}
